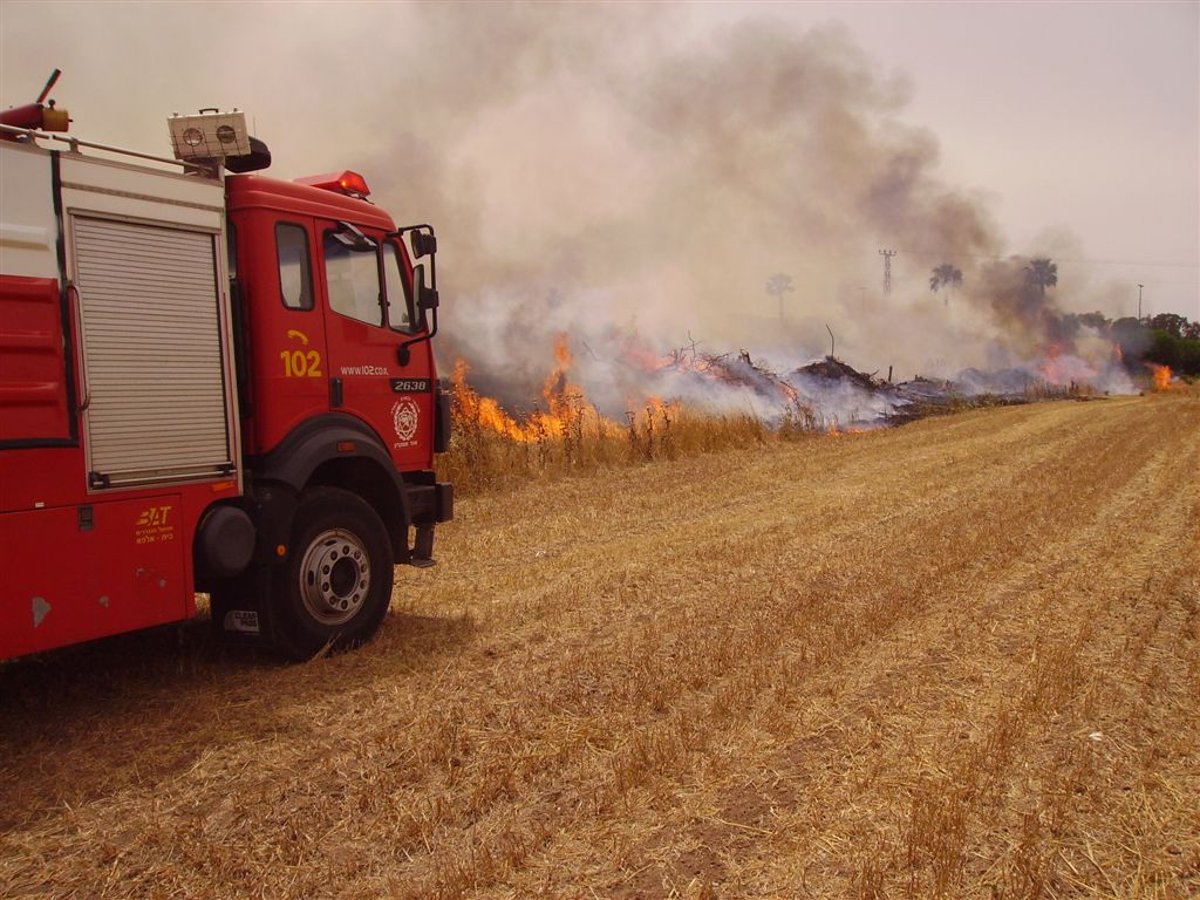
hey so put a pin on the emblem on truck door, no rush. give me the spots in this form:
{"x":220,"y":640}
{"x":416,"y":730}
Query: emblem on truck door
{"x":154,"y":525}
{"x":405,"y":416}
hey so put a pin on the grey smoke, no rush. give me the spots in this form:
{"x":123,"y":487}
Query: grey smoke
{"x":607,"y":170}
{"x":605,"y":175}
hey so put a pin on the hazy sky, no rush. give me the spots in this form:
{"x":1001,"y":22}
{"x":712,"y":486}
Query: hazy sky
{"x":1073,"y":125}
{"x":1081,"y":116}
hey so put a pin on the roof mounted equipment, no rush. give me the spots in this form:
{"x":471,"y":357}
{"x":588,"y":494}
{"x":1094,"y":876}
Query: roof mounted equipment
{"x":219,"y":138}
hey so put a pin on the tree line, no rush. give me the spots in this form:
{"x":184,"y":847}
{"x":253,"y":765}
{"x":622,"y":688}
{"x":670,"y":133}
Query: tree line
{"x":1167,"y":339}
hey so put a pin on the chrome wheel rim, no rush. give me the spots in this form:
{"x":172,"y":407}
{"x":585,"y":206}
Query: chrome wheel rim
{"x":335,"y":576}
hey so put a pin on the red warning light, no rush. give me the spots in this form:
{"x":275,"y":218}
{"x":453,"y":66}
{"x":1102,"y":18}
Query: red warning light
{"x":350,"y":183}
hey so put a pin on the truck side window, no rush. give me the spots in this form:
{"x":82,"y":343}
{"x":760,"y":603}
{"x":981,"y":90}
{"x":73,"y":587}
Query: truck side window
{"x":352,"y":276}
{"x":295,"y":271}
{"x":397,"y":297}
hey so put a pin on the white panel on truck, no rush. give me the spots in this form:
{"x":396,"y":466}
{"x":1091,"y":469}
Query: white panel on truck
{"x":28,"y":231}
{"x":156,"y":400}
{"x":133,"y":192}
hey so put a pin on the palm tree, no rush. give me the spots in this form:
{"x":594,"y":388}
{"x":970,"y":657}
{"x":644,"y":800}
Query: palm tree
{"x":1042,"y":273}
{"x":778,"y":285}
{"x":947,"y":276}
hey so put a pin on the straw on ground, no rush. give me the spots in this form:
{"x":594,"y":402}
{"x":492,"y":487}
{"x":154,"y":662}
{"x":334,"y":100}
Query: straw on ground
{"x":956,"y":659}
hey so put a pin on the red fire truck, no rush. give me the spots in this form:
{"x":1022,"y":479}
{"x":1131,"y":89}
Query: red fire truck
{"x":210,"y":381}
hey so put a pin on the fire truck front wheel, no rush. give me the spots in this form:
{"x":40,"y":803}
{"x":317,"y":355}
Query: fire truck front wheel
{"x":335,"y":587}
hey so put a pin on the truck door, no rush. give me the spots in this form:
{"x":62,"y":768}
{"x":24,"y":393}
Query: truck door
{"x":369,"y":316}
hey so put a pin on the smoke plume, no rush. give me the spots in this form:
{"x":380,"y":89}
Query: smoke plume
{"x":600,"y":177}
{"x":630,"y":174}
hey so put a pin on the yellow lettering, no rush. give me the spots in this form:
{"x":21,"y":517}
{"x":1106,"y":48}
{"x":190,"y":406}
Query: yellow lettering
{"x":301,"y":363}
{"x":314,"y":364}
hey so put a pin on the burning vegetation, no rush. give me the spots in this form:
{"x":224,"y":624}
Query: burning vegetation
{"x":798,"y":163}
{"x":687,"y":401}
{"x":567,"y":411}
{"x":612,"y":398}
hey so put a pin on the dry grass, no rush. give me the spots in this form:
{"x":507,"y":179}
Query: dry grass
{"x":580,"y":441}
{"x":957,"y":659}
{"x":565,"y":435}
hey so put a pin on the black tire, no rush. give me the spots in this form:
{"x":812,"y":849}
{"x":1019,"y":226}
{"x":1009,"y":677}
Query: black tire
{"x":336,"y":585}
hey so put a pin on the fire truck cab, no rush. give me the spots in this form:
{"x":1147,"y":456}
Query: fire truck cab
{"x":208,"y":382}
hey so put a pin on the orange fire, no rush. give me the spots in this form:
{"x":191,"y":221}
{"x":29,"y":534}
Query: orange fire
{"x":1162,"y":376}
{"x":567,"y":414}
{"x":482,"y":410}
{"x":1053,"y":368}
{"x":656,"y":406}
{"x":633,"y":351}
{"x":567,"y":409}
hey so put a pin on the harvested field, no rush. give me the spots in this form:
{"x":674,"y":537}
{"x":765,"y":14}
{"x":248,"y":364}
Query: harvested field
{"x":956,"y":659}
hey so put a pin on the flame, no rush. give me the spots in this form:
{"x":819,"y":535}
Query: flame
{"x":1162,"y":376}
{"x":483,"y":411}
{"x":565,"y":401}
{"x":656,"y":407}
{"x":1050,"y":368}
{"x":632,"y":350}
{"x":1060,"y":366}
{"x":562,"y":351}
{"x":567,"y":409}
{"x":566,"y":414}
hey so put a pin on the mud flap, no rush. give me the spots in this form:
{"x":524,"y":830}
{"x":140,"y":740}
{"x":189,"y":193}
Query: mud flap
{"x":422,"y":551}
{"x":241,"y":608}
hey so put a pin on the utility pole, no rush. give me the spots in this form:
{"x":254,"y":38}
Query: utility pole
{"x":780,"y":284}
{"x":1140,"y":286}
{"x":887,"y":269}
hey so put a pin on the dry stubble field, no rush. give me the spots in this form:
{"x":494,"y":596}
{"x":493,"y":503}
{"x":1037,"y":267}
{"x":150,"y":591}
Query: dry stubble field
{"x":955,"y":659}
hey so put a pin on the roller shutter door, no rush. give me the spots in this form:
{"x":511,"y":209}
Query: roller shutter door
{"x":152,"y":348}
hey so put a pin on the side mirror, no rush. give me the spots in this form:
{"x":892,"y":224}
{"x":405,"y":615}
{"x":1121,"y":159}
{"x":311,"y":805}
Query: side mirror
{"x":421,"y":239}
{"x":424,"y":243}
{"x":426,"y":296}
